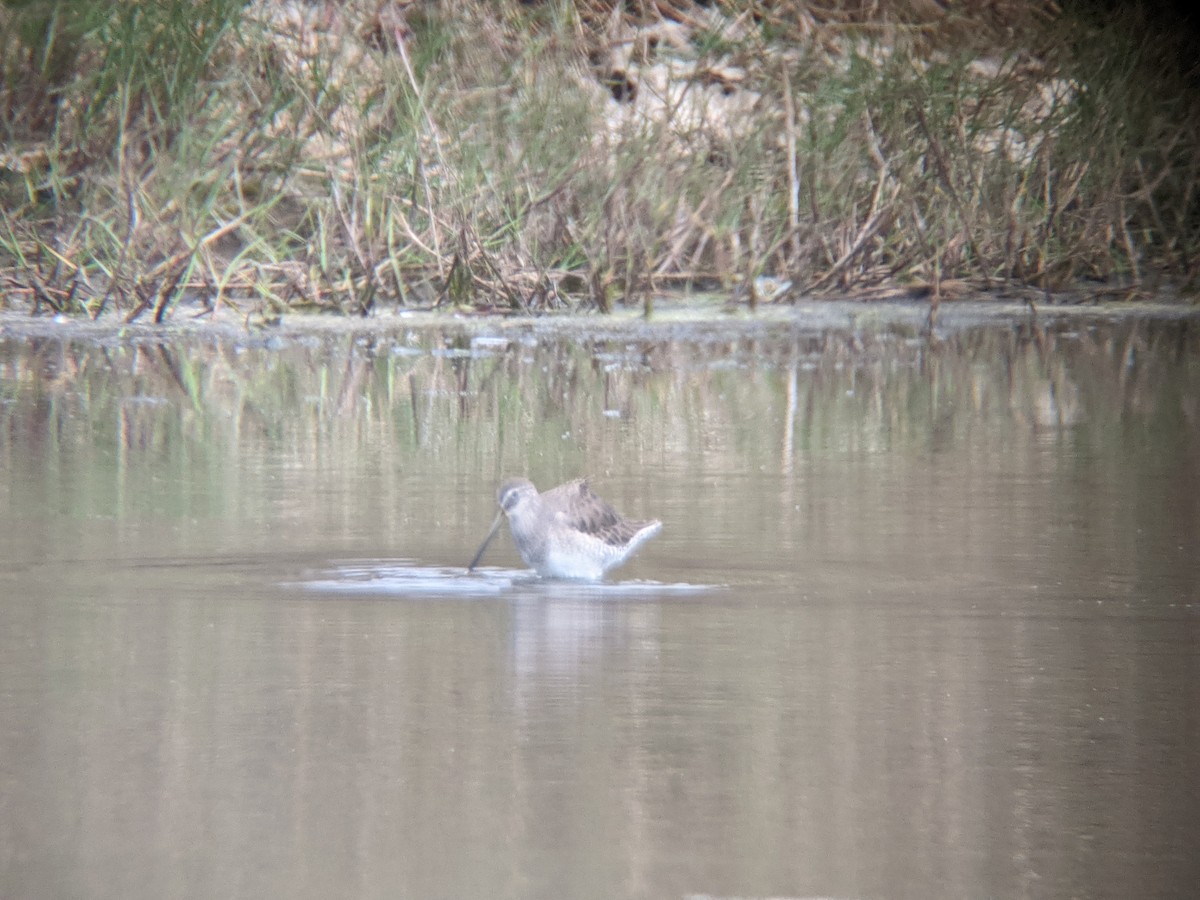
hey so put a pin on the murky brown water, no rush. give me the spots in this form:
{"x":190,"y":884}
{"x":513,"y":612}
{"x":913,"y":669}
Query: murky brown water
{"x":921,"y":622}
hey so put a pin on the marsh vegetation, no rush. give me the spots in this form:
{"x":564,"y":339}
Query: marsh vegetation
{"x":275,"y":156}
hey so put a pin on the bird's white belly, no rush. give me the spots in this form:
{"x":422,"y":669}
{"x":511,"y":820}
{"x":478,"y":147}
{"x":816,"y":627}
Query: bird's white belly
{"x":562,"y":563}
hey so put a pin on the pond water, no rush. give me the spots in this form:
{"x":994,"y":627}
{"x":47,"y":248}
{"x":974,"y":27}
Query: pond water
{"x":922,"y":621}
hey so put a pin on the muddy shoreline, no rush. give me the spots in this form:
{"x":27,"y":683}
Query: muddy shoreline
{"x":670,"y":322}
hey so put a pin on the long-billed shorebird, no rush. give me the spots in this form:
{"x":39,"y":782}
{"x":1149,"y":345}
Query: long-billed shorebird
{"x":566,"y":532}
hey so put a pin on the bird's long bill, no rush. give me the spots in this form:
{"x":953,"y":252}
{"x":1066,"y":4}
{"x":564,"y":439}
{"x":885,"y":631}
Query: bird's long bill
{"x":487,"y":540}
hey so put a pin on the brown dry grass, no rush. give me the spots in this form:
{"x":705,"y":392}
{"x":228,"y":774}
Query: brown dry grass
{"x":557,"y":155}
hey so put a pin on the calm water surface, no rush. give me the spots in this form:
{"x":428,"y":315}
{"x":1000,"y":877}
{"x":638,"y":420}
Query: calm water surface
{"x":923,"y":621}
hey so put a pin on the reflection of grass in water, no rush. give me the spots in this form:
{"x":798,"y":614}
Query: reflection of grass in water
{"x":546,"y":406}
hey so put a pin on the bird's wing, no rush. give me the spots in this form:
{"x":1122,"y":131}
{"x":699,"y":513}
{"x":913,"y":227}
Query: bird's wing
{"x":588,"y":514}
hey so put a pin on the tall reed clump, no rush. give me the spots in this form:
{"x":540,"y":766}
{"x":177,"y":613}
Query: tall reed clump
{"x":111,"y":118}
{"x":272,"y":156}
